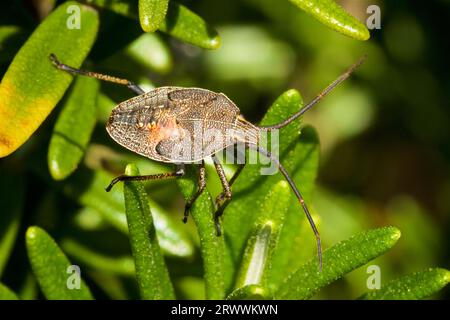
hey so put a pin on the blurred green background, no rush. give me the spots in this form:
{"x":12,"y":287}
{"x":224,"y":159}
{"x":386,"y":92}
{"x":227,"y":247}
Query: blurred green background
{"x":385,"y":133}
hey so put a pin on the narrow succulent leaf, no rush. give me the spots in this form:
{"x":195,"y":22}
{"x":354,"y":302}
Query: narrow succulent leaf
{"x":52,"y":268}
{"x":252,"y":186}
{"x":152,"y":13}
{"x":418,"y":285}
{"x":32,"y":86}
{"x":186,"y":25}
{"x":296,"y":236}
{"x":256,"y":262}
{"x":11,"y":204}
{"x":73,"y":129}
{"x":179,"y":22}
{"x":337,"y":261}
{"x":212,"y":247}
{"x":151,"y":271}
{"x":335,"y":17}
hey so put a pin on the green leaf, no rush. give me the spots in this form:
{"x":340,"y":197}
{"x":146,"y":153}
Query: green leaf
{"x":152,"y":13}
{"x":185,"y":25}
{"x":337,"y":261}
{"x":256,"y":262}
{"x":212,"y":247}
{"x":335,"y":17}
{"x":11,"y":204}
{"x":251,"y":187}
{"x":73,"y":129}
{"x":32,"y":86}
{"x":6,"y":293}
{"x":249,"y":292}
{"x":88,"y":189}
{"x":179,"y":22}
{"x":418,"y":285}
{"x":296,"y":236}
{"x":50,"y":266}
{"x":151,"y":271}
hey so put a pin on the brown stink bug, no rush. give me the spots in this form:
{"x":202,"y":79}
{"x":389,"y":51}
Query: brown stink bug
{"x":165,"y":123}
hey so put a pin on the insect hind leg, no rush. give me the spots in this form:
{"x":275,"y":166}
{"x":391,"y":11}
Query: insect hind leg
{"x":61,"y":66}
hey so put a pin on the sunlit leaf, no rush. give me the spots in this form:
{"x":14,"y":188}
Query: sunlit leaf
{"x":151,"y":272}
{"x":418,"y":285}
{"x":256,"y":264}
{"x":50,"y":266}
{"x":252,"y":186}
{"x":212,"y":247}
{"x":73,"y":128}
{"x":32,"y":86}
{"x":152,"y":13}
{"x":337,"y":261}
{"x":179,"y":22}
{"x":334,"y":16}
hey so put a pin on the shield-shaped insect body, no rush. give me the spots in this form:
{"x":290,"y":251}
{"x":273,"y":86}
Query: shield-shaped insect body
{"x":179,"y":125}
{"x":186,"y":125}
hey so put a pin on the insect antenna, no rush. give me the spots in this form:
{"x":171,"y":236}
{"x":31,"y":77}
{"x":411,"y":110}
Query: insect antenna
{"x":297,"y":194}
{"x":319,"y":97}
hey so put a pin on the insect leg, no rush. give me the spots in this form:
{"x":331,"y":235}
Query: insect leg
{"x":159,"y":176}
{"x":222,"y":201}
{"x":226,"y":194}
{"x":201,"y":188}
{"x":221,"y":198}
{"x":297,"y":194}
{"x":224,"y":197}
{"x":134,"y":87}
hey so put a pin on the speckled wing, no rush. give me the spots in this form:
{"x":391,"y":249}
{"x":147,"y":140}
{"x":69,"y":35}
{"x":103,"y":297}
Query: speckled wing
{"x":211,"y":122}
{"x":174,"y":124}
{"x":130,"y":121}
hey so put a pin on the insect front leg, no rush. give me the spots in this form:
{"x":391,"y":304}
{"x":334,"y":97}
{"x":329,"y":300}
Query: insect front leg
{"x":61,"y":66}
{"x":159,"y":176}
{"x":201,"y":188}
